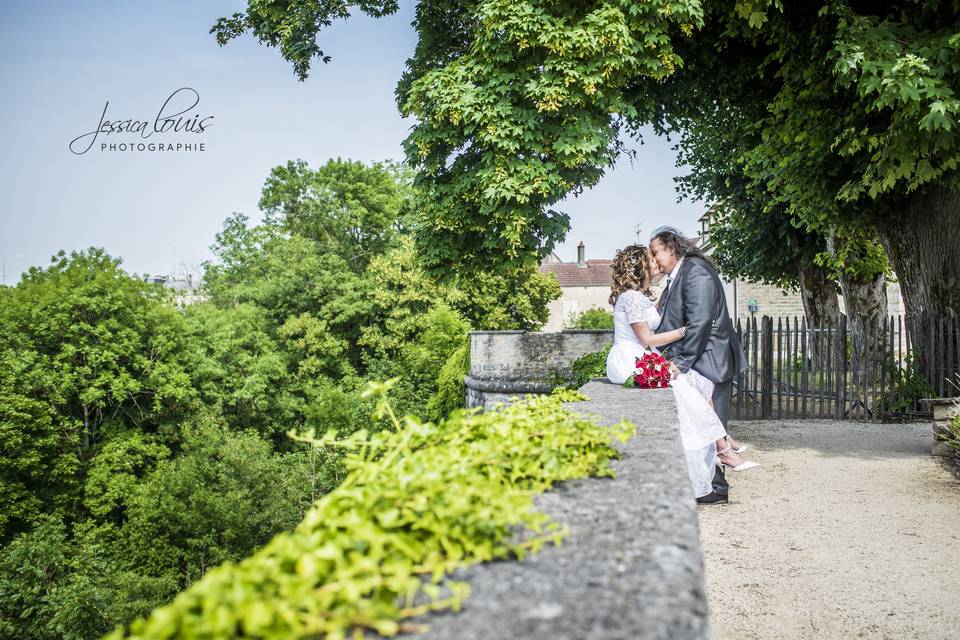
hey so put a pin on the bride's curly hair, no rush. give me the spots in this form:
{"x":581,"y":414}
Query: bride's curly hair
{"x":631,"y":270}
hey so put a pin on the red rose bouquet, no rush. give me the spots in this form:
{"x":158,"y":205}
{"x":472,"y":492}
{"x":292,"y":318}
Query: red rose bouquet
{"x":653,"y":372}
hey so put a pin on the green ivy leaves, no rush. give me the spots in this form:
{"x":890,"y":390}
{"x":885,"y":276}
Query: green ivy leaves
{"x":904,"y":75}
{"x":418,"y":503}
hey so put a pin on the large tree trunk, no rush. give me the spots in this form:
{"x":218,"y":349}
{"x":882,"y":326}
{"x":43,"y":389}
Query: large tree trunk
{"x":923,"y":245}
{"x":820,"y":306}
{"x":865,"y":300}
{"x":865,"y":303}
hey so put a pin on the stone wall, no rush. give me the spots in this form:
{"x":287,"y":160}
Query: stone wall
{"x":945,"y":410}
{"x":631,"y":566}
{"x":518,"y":363}
{"x":776,"y":302}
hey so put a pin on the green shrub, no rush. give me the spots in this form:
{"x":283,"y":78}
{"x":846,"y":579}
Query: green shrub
{"x":51,"y":587}
{"x":587,"y":367}
{"x":226,"y":494}
{"x":418,"y":503}
{"x":593,"y":318}
{"x":451,"y":392}
{"x":909,"y":385}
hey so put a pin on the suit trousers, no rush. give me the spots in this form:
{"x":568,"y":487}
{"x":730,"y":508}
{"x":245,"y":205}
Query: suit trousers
{"x":722,"y":392}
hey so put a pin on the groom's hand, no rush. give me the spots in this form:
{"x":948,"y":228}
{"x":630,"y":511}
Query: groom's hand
{"x":674,"y":371}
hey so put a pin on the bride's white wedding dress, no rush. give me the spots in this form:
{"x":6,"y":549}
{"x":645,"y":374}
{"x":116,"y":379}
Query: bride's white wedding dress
{"x":631,"y":306}
{"x":700,"y":426}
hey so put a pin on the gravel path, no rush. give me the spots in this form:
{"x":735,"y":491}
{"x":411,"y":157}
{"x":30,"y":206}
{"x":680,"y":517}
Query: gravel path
{"x":847,"y":531}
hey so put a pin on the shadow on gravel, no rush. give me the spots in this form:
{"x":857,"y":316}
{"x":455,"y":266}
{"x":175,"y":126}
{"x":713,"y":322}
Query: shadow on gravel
{"x":838,"y":439}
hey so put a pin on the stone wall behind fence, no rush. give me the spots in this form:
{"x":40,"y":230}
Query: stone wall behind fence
{"x":776,"y":302}
{"x":518,"y":363}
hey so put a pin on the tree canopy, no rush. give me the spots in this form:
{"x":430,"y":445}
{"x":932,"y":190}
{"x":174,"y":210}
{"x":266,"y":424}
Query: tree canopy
{"x":843,"y":103}
{"x":518,"y":104}
{"x":346,"y":207}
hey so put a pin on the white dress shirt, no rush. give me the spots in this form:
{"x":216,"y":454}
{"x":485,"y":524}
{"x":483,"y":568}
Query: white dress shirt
{"x":673,"y":274}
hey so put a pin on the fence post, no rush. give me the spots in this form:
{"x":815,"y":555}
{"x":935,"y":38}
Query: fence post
{"x":766,"y":368}
{"x":843,"y":362}
{"x":882,"y":407}
{"x":740,"y":397}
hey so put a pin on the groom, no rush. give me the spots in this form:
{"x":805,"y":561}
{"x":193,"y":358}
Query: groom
{"x":694,"y":299}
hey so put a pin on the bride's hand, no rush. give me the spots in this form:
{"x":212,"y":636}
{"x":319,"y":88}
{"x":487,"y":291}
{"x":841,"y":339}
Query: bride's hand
{"x":674,"y":371}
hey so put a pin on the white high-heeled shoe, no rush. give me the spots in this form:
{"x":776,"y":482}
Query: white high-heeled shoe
{"x":743,"y":466}
{"x":743,"y":447}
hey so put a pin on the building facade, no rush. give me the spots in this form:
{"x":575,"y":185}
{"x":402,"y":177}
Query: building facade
{"x":746,"y":298}
{"x":584,"y":284}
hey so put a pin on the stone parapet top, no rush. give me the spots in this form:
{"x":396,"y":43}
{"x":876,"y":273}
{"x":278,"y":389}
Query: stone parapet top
{"x":631,"y":567}
{"x":610,"y":331}
{"x":496,"y":331}
{"x":508,"y":386}
{"x":517,"y":331}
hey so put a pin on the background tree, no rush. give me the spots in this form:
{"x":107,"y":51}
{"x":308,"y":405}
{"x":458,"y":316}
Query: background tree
{"x":89,"y":352}
{"x":293,"y":27}
{"x":756,"y":235}
{"x":751,"y":239}
{"x":223,"y":496}
{"x":345,"y":207}
{"x":49,"y":588}
{"x":767,"y":248}
{"x":141,"y":442}
{"x":487,"y":299}
{"x":859,"y":132}
{"x":494,"y":85}
{"x":493,"y":300}
{"x":40,"y":469}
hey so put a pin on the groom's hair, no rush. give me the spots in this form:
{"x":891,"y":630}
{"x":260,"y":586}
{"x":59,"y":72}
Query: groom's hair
{"x":681,"y":245}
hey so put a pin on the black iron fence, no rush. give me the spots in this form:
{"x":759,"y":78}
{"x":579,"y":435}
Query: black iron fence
{"x":839,"y":372}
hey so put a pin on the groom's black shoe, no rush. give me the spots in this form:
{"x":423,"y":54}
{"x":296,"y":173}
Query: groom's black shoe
{"x":720,"y":484}
{"x":713,"y":498}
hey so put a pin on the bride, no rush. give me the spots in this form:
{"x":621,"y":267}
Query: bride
{"x":635,"y":318}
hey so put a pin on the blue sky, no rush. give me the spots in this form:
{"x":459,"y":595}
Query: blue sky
{"x":60,"y":62}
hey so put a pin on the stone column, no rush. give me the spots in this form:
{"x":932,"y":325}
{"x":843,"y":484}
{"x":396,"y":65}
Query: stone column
{"x":504,"y":364}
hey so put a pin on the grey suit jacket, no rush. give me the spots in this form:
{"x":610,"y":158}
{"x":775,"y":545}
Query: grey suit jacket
{"x":696,"y":300}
